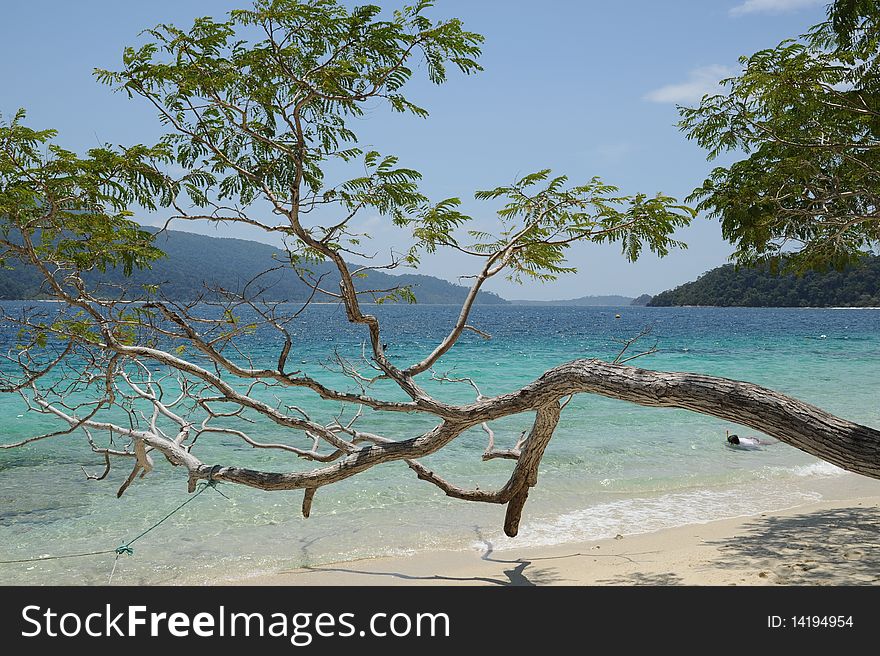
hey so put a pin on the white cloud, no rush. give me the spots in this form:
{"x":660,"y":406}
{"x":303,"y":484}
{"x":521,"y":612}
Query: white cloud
{"x":701,"y":81}
{"x":772,"y":6}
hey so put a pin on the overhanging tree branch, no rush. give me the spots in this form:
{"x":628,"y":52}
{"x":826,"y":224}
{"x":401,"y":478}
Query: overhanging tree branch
{"x":254,"y":125}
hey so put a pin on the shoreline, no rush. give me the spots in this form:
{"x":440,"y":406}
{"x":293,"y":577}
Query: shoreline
{"x":828,"y":542}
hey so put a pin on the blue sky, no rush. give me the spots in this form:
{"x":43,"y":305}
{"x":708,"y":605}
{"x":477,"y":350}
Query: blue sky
{"x":583,"y":87}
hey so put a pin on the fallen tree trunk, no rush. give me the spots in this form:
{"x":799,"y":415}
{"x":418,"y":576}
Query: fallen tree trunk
{"x":844,"y":443}
{"x":851,"y":446}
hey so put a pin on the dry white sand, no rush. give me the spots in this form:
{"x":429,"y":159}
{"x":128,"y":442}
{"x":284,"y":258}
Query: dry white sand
{"x":835,"y":541}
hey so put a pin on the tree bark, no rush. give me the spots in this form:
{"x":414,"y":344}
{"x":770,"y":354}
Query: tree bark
{"x":844,"y":443}
{"x":525,"y":474}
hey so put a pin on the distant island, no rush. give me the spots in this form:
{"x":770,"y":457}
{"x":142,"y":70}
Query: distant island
{"x":196,"y":260}
{"x":582,"y":301}
{"x":729,"y":286}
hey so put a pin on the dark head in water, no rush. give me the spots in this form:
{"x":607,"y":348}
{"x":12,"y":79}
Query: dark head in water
{"x":733,"y":439}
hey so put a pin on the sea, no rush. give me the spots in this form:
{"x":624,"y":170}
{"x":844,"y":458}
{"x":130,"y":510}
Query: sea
{"x":612,"y":468}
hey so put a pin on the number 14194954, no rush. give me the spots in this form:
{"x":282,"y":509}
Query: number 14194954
{"x":810,"y":622}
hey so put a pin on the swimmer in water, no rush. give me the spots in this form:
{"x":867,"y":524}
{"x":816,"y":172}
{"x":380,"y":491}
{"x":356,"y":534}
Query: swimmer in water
{"x":748,"y":443}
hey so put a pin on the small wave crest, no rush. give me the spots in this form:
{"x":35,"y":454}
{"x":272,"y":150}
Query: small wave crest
{"x":648,"y":514}
{"x":819,"y":469}
{"x":822,"y":469}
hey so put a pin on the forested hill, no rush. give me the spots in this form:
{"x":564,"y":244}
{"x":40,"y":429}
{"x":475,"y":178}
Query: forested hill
{"x":194,"y":260}
{"x":728,"y":286}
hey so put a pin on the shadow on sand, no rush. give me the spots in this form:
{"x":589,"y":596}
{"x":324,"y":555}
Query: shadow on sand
{"x":827,"y":547}
{"x":643,"y":578}
{"x":523,"y":571}
{"x":514,"y":576}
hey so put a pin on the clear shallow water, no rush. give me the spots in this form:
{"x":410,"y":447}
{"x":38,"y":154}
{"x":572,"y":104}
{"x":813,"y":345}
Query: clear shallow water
{"x":611,"y":468}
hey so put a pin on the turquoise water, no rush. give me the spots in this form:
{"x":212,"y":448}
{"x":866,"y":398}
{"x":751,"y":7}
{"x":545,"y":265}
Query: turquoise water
{"x":611,"y":468}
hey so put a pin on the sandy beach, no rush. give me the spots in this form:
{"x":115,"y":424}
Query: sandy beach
{"x":835,"y":541}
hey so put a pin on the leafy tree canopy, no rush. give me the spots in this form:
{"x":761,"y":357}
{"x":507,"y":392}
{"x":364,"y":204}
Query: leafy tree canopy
{"x":73,"y":211}
{"x":806,"y":115}
{"x":260,"y":106}
{"x":259,"y":109}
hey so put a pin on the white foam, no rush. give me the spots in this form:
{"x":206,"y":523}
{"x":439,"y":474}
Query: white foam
{"x":647,"y":514}
{"x":821,"y":469}
{"x":818,"y":469}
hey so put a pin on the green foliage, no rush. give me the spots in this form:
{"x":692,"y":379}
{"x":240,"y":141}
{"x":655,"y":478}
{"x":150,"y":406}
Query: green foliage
{"x":72,"y":211}
{"x":38,"y":334}
{"x":542,"y":216}
{"x":258,"y":113}
{"x":257,"y":106}
{"x":855,"y":25}
{"x":855,"y":286}
{"x":807,"y":117}
{"x":387,"y":188}
{"x":254,"y":116}
{"x":403,"y":294}
{"x":434,"y":225}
